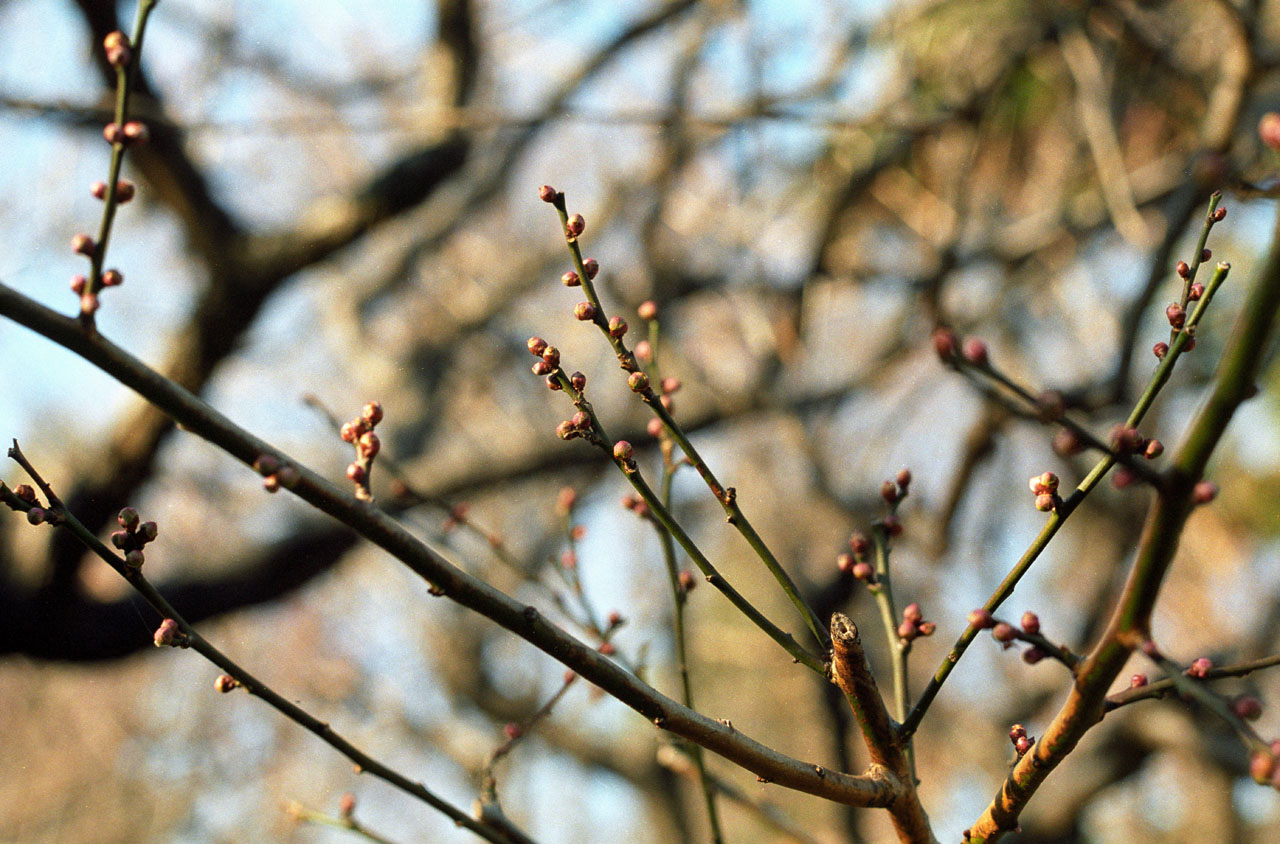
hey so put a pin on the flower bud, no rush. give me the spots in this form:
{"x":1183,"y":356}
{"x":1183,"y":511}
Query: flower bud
{"x":904,"y":479}
{"x":37,"y":515}
{"x":1204,"y":492}
{"x":124,"y":191}
{"x":1205,"y":255}
{"x":907,"y":631}
{"x":113,"y":134}
{"x":687,"y":580}
{"x":1137,"y":681}
{"x":975,"y":351}
{"x":927,"y":628}
{"x":128,"y":518}
{"x":98,"y":189}
{"x":169,"y":634}
{"x":566,"y":430}
{"x":1200,"y":668}
{"x":26,"y":493}
{"x":1044,"y":482}
{"x":859,"y":544}
{"x":1261,"y":766}
{"x":1023,"y":744}
{"x":654,"y":427}
{"x":1046,"y":502}
{"x":576,"y":225}
{"x":1184,"y":270}
{"x":648,"y":310}
{"x":570,"y":279}
{"x":116,"y":45}
{"x":622,"y":450}
{"x":889,"y":492}
{"x":981,"y":619}
{"x":370,"y":445}
{"x":551,"y":355}
{"x":1066,"y":443}
{"x":1160,"y":350}
{"x":225,"y":683}
{"x":372,"y":413}
{"x":267,"y":464}
{"x":136,"y":132}
{"x":82,"y":244}
{"x":356,"y":473}
{"x":537,"y":346}
{"x":349,"y":433}
{"x":1004,"y":632}
{"x":1154,"y":449}
{"x":120,"y":538}
{"x":543,"y":368}
{"x":578,"y":381}
{"x":1176,"y":315}
{"x":1195,"y":293}
{"x":892,"y":525}
{"x":638,"y":382}
{"x":547,"y":193}
{"x":617,"y":327}
{"x":844,"y":562}
{"x":1247,"y":707}
{"x":946,"y":344}
{"x":607,"y":648}
{"x":134,"y":559}
{"x":592,"y":267}
{"x":912,"y":613}
{"x":1033,"y":655}
{"x":863,"y":571}
{"x":553,"y":384}
{"x":584,"y":311}
{"x":78,"y":283}
{"x":148,"y":532}
{"x":1030,"y":623}
{"x":112,"y":278}
{"x":1219,"y":214}
{"x":582,"y":420}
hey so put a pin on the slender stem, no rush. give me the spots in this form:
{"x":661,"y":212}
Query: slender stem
{"x":680,"y":597}
{"x":727,"y":496}
{"x":253,"y":685}
{"x":305,"y":815}
{"x":1160,"y":688}
{"x":1057,"y":518}
{"x":525,"y":621}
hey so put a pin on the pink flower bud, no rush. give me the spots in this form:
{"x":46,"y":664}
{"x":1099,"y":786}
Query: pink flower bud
{"x":89,"y":303}
{"x":271,"y":483}
{"x":607,"y":648}
{"x":1016,"y":732}
{"x":576,"y":225}
{"x":1195,"y":292}
{"x":623,"y":451}
{"x":1154,"y":449}
{"x":1066,"y":443}
{"x":687,"y":580}
{"x":844,"y":562}
{"x":981,"y":619}
{"x":1137,"y":681}
{"x":113,"y":134}
{"x":1160,"y":350}
{"x":128,"y":518}
{"x":1033,"y":655}
{"x":372,"y":413}
{"x":638,"y":382}
{"x":120,"y":538}
{"x":975,"y":351}
{"x":547,"y":193}
{"x":116,"y":45}
{"x":98,"y":189}
{"x":648,"y":310}
{"x":148,"y":531}
{"x":912,"y":613}
{"x":537,"y":346}
{"x":1044,"y":482}
{"x":1030,"y":623}
{"x":78,"y":283}
{"x":644,"y":352}
{"x":1176,"y":315}
{"x":1261,"y":766}
{"x":543,"y":368}
{"x":566,"y":430}
{"x":370,"y":445}
{"x":1046,"y":501}
{"x":584,"y":311}
{"x":82,"y":244}
{"x":581,"y":420}
{"x":859,"y":544}
{"x":591,"y":266}
{"x":1247,"y":707}
{"x":889,"y":492}
{"x":570,"y":279}
{"x":225,"y":683}
{"x":551,"y":355}
{"x":927,"y":628}
{"x":356,"y":473}
{"x":946,"y":344}
{"x":124,"y":191}
{"x":37,"y":515}
{"x":904,"y":479}
{"x":670,"y":385}
{"x":1219,"y":214}
{"x":1004,"y":632}
{"x":863,"y":571}
{"x":1204,"y":492}
{"x":1123,"y":477}
{"x":565,"y":500}
{"x":169,"y":634}
{"x":617,"y":327}
{"x":1023,"y":744}
{"x":349,"y":433}
{"x":654,"y":427}
{"x":553,"y":384}
{"x":578,"y":381}
{"x":1184,"y":269}
{"x":136,"y":132}
{"x":1200,"y":668}
{"x":112,"y":278}
{"x":26,"y":493}
{"x":907,"y":631}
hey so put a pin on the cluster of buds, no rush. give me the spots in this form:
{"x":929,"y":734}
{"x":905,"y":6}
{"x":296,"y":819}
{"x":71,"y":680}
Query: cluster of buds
{"x":133,"y":536}
{"x":170,"y":635}
{"x":359,"y":432}
{"x":549,"y":361}
{"x":913,"y":624}
{"x":895,"y":490}
{"x":274,"y":473}
{"x":856,"y":561}
{"x":1021,"y":741}
{"x":580,"y":425}
{"x":1045,"y":488}
{"x":949,"y":348}
{"x":1127,"y":440}
{"x":36,"y":514}
{"x":1006,"y":634}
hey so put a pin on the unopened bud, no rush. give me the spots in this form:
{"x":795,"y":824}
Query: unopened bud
{"x":128,"y":518}
{"x":1030,"y":623}
{"x":1204,"y":492}
{"x":981,"y":619}
{"x":946,"y":344}
{"x":112,"y":278}
{"x":617,"y":327}
{"x":1160,"y":349}
{"x":584,"y":311}
{"x":576,"y":225}
{"x":136,"y":132}
{"x":225,"y":683}
{"x":975,"y":351}
{"x":1176,"y":315}
{"x":578,"y":381}
{"x":547,"y":193}
{"x":570,"y":279}
{"x":648,"y":310}
{"x":537,"y":346}
{"x":592,"y":267}
{"x":82,"y":244}
{"x":638,"y":382}
{"x":372,"y":413}
{"x":622,"y":450}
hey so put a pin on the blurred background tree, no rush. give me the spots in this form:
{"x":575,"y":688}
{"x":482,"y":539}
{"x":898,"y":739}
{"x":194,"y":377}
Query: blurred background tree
{"x":341,"y":203}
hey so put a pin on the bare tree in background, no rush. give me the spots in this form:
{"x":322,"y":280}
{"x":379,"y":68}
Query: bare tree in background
{"x":338,"y":205}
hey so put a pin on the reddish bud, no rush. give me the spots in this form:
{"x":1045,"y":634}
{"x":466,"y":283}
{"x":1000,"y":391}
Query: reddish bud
{"x":1046,"y":502}
{"x":120,"y":538}
{"x":113,"y":134}
{"x":1044,"y":482}
{"x":614,"y":618}
{"x":356,"y":473}
{"x":551,"y":356}
{"x":975,"y":351}
{"x":1123,"y":477}
{"x":348,"y":432}
{"x":570,"y":279}
{"x":116,"y":45}
{"x":128,"y":518}
{"x":844,"y":562}
{"x":148,"y":531}
{"x":1137,"y":681}
{"x":576,"y":225}
{"x":89,"y":302}
{"x":607,"y":648}
{"x":26,"y":493}
{"x":1176,"y":315}
{"x":82,"y":244}
{"x":566,"y":430}
{"x":536,"y":346}
{"x":565,"y":499}
{"x":78,"y":283}
{"x":543,"y":368}
{"x":1154,"y":449}
{"x":112,"y":278}
{"x":547,"y":193}
{"x":927,"y":628}
{"x":1205,"y":255}
{"x":1196,"y":292}
{"x":622,"y":450}
{"x":1204,"y":492}
{"x":892,"y":525}
{"x":1247,"y":707}
{"x":1033,"y":655}
{"x":863,"y":571}
{"x":644,"y":352}
{"x":687,"y":580}
{"x":617,"y":327}
{"x":669,"y":404}
{"x":912,"y":613}
{"x":907,"y":631}
{"x":169,"y":634}
{"x":346,"y":805}
{"x":1004,"y":632}
{"x":512,"y":730}
{"x":98,"y":189}
{"x":1016,"y":732}
{"x":591,"y":266}
{"x":1219,"y":214}
{"x":981,"y":619}
{"x":265,"y":464}
{"x":1125,"y":440}
{"x":372,"y":413}
{"x":584,"y":311}
{"x":1030,"y":623}
{"x":654,"y":427}
{"x":271,"y":483}
{"x":1269,"y":130}
{"x":225,"y":683}
{"x":569,"y":560}
{"x":124,"y":191}
{"x":37,"y":515}
{"x":1160,"y":349}
{"x":370,"y":445}
{"x":1262,"y":765}
{"x":578,"y":381}
{"x":670,"y":385}
{"x":889,"y":492}
{"x":859,"y":544}
{"x":136,"y":132}
{"x":904,"y":479}
{"x":553,"y":384}
{"x":946,"y":344}
{"x":1066,"y":443}
{"x":648,"y":310}
{"x":1023,"y":744}
{"x":581,"y":420}
{"x":1200,"y":668}
{"x":638,"y":382}
{"x":1184,"y":269}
